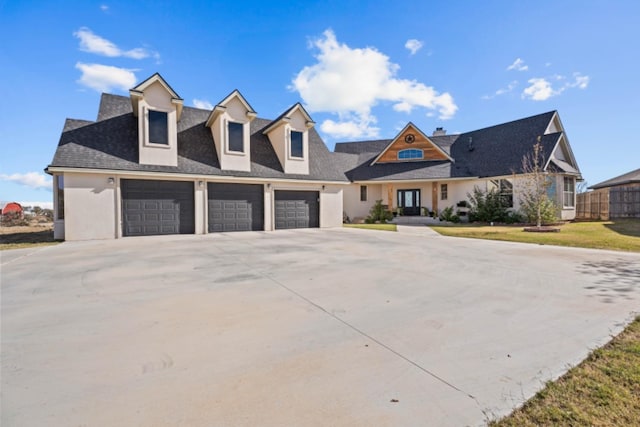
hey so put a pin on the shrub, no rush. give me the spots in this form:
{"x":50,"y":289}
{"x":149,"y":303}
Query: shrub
{"x":548,"y":210}
{"x":487,"y":206}
{"x":448,"y":215}
{"x":378,"y":212}
{"x":514,"y":217}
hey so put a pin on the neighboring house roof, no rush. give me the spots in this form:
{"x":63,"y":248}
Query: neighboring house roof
{"x":112,"y":143}
{"x":627,"y":178}
{"x":492,"y":151}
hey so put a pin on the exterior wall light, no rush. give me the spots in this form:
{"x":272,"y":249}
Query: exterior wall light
{"x":323,"y":187}
{"x":269,"y":186}
{"x":111,"y":180}
{"x":200,"y":184}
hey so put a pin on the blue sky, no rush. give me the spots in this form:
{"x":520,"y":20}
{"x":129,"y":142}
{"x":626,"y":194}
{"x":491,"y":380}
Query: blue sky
{"x":362,"y":69}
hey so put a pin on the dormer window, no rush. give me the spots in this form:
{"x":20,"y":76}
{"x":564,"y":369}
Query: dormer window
{"x":296,"y":144}
{"x":410,"y":154}
{"x":236,"y":137}
{"x":158,"y":109}
{"x":158,"y":127}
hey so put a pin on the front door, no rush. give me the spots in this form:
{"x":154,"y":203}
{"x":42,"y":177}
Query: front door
{"x":409,"y":201}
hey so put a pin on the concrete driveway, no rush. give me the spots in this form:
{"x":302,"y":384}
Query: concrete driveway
{"x":336,"y":327}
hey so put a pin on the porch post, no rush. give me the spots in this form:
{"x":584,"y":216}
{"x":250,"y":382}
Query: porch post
{"x":434,"y":197}
{"x":390,"y":197}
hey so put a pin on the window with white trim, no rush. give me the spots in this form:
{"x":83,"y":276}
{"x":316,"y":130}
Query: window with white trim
{"x":568,"y":193}
{"x":296,"y":144}
{"x":444,"y":191}
{"x":363,"y":193}
{"x":158,"y":127}
{"x":410,"y":154}
{"x":236,"y":137}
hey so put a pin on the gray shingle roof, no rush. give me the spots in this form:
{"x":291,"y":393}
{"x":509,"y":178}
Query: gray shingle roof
{"x":497,"y":151}
{"x":627,"y":178}
{"x":112,"y":143}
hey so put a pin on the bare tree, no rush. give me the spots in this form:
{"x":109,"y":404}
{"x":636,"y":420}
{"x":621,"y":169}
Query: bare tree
{"x":535,"y":185}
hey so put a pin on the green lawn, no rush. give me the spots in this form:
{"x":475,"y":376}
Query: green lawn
{"x":623,"y":235}
{"x":604,"y":390}
{"x":385,"y":227}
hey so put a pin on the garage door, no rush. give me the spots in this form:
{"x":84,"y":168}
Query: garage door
{"x":236,"y":207}
{"x":157,"y":207}
{"x":297,"y":209}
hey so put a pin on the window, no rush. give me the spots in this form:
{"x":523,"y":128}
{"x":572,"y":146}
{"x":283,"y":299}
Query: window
{"x":296,"y":144}
{"x":236,"y":137}
{"x":60,"y":196}
{"x":444,"y":191}
{"x":363,"y":193}
{"x":158,"y":127}
{"x":569,"y":192}
{"x":410,"y":154}
{"x":504,"y":188}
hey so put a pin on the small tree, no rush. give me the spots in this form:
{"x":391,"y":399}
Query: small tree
{"x":534,"y":187}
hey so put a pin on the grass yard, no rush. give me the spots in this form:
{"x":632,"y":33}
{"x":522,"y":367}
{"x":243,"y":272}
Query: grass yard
{"x":20,"y":237}
{"x":604,"y":390}
{"x":385,"y":227}
{"x":622,"y":235}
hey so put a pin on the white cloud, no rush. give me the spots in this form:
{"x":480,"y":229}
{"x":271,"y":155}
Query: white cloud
{"x":104,"y":7}
{"x":351,"y":127}
{"x":105,"y":78}
{"x":518,"y":65}
{"x":93,"y":43}
{"x":580,"y":81}
{"x":202,"y":104}
{"x":502,"y":91}
{"x":34,"y":180}
{"x":539,"y":90}
{"x":350,"y":82}
{"x":413,"y":45}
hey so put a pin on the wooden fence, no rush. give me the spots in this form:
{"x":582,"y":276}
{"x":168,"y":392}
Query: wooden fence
{"x":624,"y":202}
{"x":609,"y":203}
{"x":593,"y":205}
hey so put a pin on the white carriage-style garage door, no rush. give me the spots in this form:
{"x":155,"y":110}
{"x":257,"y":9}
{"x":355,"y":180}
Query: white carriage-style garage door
{"x":152,"y":207}
{"x":297,"y":209}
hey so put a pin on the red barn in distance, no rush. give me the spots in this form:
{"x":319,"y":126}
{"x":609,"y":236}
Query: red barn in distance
{"x":13,"y":209}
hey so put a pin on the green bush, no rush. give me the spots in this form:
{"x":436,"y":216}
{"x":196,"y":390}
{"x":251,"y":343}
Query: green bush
{"x":448,"y":215}
{"x":378,"y":212}
{"x":514,"y":217}
{"x":548,"y":210}
{"x":487,"y":206}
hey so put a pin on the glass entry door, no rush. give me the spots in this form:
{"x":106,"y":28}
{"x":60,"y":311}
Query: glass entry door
{"x":409,"y":201}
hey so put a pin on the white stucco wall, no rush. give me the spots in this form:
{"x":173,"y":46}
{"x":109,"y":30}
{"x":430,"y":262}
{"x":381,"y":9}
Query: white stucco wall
{"x":157,"y":98}
{"x":231,"y":160}
{"x":200,"y":206}
{"x":355,"y":208}
{"x":331,"y":206}
{"x":280,"y":138}
{"x":90,"y":207}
